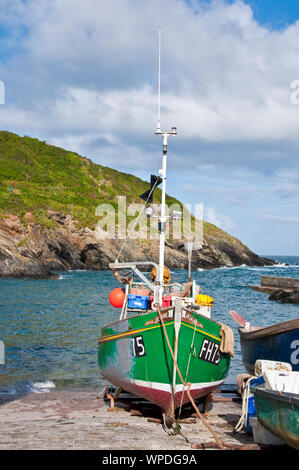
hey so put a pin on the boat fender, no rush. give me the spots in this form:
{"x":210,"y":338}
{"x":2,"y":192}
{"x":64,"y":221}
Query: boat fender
{"x":202,"y":299}
{"x":117,"y":297}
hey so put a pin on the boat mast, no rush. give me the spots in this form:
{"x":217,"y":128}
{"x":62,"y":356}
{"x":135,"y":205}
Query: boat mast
{"x":162,"y":173}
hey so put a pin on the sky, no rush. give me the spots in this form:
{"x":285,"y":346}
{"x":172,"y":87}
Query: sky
{"x":83,"y":75}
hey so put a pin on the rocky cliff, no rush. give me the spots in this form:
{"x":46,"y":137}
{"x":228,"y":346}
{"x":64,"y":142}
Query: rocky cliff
{"x":33,"y":251}
{"x":48,"y":198}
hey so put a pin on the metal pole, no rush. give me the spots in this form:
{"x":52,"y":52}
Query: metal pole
{"x":162,"y":218}
{"x":159,"y":82}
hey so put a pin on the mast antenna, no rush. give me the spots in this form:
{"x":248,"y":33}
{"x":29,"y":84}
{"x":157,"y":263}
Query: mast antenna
{"x":162,"y":173}
{"x":159,"y":81}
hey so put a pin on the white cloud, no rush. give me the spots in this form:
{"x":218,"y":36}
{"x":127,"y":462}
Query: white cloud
{"x":83,"y":75}
{"x":282,"y":219}
{"x":218,"y":219}
{"x":221,"y":80}
{"x":287,"y":190}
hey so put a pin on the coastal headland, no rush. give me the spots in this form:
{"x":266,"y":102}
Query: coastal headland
{"x":48,"y":221}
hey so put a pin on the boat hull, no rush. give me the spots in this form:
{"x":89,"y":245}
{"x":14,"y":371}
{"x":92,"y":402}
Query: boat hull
{"x":134,"y":354}
{"x":275,"y":343}
{"x":279,"y":414}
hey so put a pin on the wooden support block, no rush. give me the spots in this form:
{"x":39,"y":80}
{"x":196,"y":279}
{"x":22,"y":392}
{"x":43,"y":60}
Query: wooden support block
{"x":115,"y":409}
{"x":154,"y":420}
{"x":227,"y":445}
{"x":205,"y":445}
{"x":225,"y":391}
{"x":226,"y":399}
{"x":134,"y":412}
{"x":250,"y":447}
{"x":188,"y":421}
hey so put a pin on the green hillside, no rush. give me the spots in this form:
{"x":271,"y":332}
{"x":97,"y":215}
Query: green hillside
{"x":37,"y":177}
{"x":41,"y":183}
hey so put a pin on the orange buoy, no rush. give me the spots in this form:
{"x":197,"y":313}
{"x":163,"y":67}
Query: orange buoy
{"x":117,"y":297}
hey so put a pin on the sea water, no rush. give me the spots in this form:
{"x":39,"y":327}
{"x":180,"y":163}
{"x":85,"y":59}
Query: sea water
{"x":50,"y":328}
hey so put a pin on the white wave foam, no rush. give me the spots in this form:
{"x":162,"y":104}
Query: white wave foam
{"x":284,"y":265}
{"x":233,"y":267}
{"x":281,"y":265}
{"x":254,"y":268}
{"x":42,"y":387}
{"x":77,"y":270}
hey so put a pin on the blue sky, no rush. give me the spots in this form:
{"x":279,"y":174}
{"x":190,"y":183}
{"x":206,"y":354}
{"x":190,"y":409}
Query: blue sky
{"x":84,"y":77}
{"x":275,"y":14}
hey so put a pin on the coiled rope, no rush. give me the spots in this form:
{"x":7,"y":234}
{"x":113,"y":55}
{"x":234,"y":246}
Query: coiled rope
{"x":245,"y":398}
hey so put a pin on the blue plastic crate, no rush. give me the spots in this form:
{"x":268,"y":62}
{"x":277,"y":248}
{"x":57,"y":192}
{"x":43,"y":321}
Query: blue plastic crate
{"x":138,"y":301}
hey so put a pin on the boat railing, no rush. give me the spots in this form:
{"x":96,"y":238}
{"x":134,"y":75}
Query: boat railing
{"x":134,"y":266}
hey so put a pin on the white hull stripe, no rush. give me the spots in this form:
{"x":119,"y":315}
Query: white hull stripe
{"x":179,"y":388}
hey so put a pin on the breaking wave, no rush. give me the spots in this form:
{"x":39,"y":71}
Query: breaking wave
{"x":42,"y":387}
{"x":254,"y":268}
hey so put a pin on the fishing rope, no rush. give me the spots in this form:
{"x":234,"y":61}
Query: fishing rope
{"x":245,"y":398}
{"x":135,"y":222}
{"x":187,"y":371}
{"x":188,"y":385}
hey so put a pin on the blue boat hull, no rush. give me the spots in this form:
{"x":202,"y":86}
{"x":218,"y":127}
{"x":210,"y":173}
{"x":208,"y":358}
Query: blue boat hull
{"x":276,"y":343}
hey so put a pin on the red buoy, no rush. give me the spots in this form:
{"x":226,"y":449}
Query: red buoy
{"x":117,"y":297}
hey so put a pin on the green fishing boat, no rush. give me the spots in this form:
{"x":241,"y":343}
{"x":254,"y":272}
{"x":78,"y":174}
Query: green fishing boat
{"x":134,"y":355}
{"x":278,"y":412}
{"x":165,"y":347}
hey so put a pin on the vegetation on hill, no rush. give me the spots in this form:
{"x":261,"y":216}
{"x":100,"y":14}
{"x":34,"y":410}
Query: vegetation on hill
{"x":39,"y":177}
{"x":48,"y":201}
